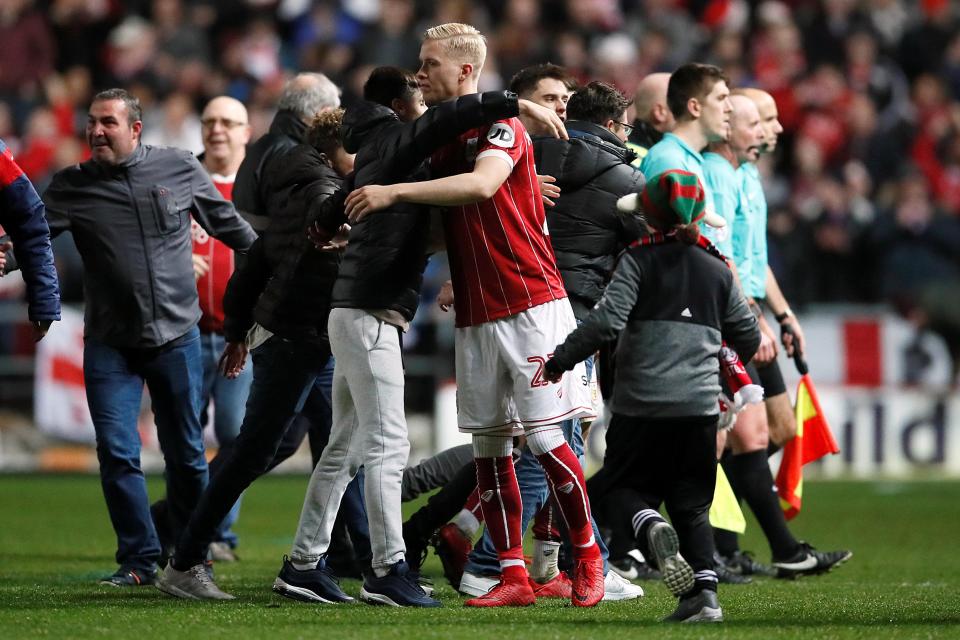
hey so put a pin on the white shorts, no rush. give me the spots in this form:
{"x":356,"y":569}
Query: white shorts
{"x":500,"y":383}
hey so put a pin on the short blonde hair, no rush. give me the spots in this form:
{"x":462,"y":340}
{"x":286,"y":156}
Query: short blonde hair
{"x":462,"y":41}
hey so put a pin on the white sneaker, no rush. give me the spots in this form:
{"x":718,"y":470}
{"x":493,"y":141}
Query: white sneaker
{"x":475,"y":585}
{"x":616,"y":587}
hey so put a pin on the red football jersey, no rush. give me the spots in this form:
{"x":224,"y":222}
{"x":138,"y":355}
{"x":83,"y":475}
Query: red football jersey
{"x":212,"y":285}
{"x":501,"y":259}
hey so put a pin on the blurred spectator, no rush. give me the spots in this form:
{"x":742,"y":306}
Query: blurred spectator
{"x":862,"y":86}
{"x":28,"y":50}
{"x":393,"y":40}
{"x":176,"y":125}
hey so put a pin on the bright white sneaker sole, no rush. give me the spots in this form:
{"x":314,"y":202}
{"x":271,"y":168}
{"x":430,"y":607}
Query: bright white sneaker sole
{"x":665,"y":546}
{"x":377,"y":598}
{"x":298,"y":593}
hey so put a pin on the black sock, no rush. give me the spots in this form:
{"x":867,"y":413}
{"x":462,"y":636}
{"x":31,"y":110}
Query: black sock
{"x":726,"y":542}
{"x":751,"y":479}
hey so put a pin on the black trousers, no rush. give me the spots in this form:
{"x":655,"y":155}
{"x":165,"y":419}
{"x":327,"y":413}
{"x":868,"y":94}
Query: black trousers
{"x":670,"y":461}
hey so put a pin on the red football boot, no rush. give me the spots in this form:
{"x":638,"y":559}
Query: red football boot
{"x":514,"y":590}
{"x":587,"y":589}
{"x":559,"y":586}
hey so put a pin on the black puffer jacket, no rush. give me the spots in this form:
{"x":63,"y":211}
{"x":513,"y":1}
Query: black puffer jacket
{"x":286,"y":131}
{"x":285,"y":283}
{"x":383,"y":264}
{"x":592,"y":170}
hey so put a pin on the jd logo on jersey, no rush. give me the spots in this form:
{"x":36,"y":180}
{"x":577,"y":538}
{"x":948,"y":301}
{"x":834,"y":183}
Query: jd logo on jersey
{"x":501,"y":135}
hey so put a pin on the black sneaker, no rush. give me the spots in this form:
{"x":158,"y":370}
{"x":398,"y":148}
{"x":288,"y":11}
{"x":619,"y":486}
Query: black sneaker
{"x":725,"y":575}
{"x":810,"y":562}
{"x":744,"y":564}
{"x":309,"y":585}
{"x":130,"y":577}
{"x":399,"y":588}
{"x":700,"y":606}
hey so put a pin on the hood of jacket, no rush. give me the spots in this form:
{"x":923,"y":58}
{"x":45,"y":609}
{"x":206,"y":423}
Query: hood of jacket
{"x":591,"y":151}
{"x":361,"y":120}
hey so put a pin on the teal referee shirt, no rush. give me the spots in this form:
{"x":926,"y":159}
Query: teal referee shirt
{"x":750,"y":242}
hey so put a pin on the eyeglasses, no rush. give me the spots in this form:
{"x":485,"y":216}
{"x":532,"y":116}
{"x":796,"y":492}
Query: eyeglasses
{"x":627,"y":128}
{"x":210,"y":123}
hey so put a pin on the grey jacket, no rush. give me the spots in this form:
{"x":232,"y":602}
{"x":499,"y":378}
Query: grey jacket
{"x":131,"y":225}
{"x":672,"y":305}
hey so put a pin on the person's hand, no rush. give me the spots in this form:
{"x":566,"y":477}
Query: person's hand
{"x":318,"y":235}
{"x":365,"y":200}
{"x":200,"y":266}
{"x":233,"y":359}
{"x":339,"y":241}
{"x":552,"y":372}
{"x":445,"y":297}
{"x":4,"y":247}
{"x":546,"y":119}
{"x":40,"y":328}
{"x":791,"y":335}
{"x":767,"y":352}
{"x":548,"y":189}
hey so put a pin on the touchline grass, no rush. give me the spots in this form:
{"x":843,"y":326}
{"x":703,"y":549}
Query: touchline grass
{"x":55,"y":541}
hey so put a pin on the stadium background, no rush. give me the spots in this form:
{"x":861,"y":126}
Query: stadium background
{"x":864,"y":191}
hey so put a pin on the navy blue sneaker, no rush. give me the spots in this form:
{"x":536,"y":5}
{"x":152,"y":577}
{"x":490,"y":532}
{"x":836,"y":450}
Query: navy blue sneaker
{"x":399,"y":588}
{"x":309,"y":585}
{"x":130,"y":577}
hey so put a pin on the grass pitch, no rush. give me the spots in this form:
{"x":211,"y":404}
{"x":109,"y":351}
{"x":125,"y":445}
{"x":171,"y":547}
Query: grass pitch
{"x":55,"y":541}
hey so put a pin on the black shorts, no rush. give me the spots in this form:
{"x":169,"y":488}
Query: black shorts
{"x":769,"y":377}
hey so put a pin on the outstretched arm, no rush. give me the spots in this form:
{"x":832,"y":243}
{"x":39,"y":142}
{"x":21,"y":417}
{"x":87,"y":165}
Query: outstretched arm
{"x":466,"y":188}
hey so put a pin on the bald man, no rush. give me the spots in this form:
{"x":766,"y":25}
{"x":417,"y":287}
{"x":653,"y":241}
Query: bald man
{"x":746,"y":462}
{"x":653,"y":117}
{"x":226,"y":131}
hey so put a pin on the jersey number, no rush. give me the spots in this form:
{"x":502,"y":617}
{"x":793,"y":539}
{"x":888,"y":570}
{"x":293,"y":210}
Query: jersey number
{"x":538,"y":380}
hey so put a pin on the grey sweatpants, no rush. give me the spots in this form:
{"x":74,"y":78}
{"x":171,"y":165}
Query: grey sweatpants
{"x":369,"y":429}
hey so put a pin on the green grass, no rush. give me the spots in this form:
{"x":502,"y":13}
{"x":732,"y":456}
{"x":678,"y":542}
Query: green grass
{"x":55,"y":540}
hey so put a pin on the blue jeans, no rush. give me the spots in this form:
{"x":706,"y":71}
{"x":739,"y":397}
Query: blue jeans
{"x":114,"y":381}
{"x":534,"y":493}
{"x":285,"y":374}
{"x":229,"y":400}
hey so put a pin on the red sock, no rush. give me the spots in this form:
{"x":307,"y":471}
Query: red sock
{"x":568,"y":488}
{"x":501,"y":507}
{"x":473,"y":505}
{"x":545,"y":522}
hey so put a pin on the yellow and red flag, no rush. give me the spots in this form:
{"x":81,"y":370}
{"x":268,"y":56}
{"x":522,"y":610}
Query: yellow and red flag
{"x":813,"y":441}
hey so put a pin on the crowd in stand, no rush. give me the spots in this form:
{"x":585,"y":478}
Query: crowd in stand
{"x":864,"y":193}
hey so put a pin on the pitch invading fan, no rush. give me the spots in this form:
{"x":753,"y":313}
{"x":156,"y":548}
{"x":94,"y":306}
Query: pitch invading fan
{"x":510,"y":307}
{"x":676,"y":301}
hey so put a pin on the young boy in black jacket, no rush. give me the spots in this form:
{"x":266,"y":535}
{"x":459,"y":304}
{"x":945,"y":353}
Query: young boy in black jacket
{"x":673,"y":301}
